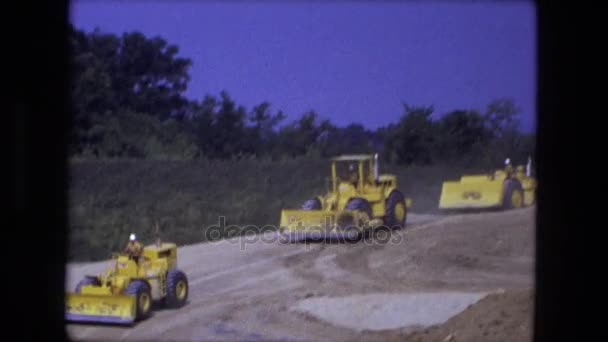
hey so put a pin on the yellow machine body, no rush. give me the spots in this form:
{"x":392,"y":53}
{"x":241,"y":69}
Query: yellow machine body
{"x":504,"y":189}
{"x":351,"y":206}
{"x":105,"y":298}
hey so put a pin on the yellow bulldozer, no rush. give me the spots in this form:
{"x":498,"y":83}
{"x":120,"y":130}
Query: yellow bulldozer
{"x":126,"y":292}
{"x":502,"y":189}
{"x":359,"y":201}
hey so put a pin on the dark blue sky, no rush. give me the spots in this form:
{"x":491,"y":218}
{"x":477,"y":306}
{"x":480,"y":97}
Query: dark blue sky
{"x":349,"y":61}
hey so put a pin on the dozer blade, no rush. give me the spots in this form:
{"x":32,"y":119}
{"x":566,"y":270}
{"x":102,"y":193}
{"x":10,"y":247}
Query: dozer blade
{"x":471,"y":192}
{"x":100,"y":308}
{"x":302,"y":225}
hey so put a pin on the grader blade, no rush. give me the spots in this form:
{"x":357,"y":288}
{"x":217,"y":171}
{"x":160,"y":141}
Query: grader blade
{"x":302,"y":225}
{"x":100,"y":308}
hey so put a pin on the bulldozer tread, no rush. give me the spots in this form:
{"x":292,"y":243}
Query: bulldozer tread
{"x":173,"y":278}
{"x":312,"y":204}
{"x":391,"y":220}
{"x":137,"y":288}
{"x":86,"y":281}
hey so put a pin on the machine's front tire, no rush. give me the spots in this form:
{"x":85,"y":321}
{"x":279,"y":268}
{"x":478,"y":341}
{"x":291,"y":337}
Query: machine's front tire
{"x":356,"y":204}
{"x":513,"y":196}
{"x":312,"y":204}
{"x":143,"y":298}
{"x":359,"y":204}
{"x":396,"y":210}
{"x":177,"y":289}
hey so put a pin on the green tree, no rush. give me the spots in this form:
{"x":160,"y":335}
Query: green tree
{"x":351,"y":139}
{"x":502,"y":115}
{"x":502,"y":120}
{"x":263,"y":135}
{"x":412,"y":139}
{"x":149,"y":77}
{"x":461,"y":135}
{"x":201,"y":118}
{"x":136,"y":135}
{"x":114,"y":75}
{"x":305,"y":135}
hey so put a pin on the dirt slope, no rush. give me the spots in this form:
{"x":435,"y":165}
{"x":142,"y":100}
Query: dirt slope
{"x":498,"y":317}
{"x":253,"y":291}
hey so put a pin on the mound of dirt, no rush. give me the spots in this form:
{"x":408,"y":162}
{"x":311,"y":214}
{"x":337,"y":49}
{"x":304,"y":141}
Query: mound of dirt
{"x":503,"y":316}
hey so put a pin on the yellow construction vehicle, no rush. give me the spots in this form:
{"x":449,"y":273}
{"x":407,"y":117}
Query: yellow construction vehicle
{"x":359,"y":200}
{"x":502,"y":189}
{"x":126,"y":292}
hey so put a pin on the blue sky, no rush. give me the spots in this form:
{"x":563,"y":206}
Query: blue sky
{"x":349,"y":61}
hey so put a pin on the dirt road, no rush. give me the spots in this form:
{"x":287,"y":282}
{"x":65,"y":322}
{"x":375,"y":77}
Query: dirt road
{"x":392,"y":287}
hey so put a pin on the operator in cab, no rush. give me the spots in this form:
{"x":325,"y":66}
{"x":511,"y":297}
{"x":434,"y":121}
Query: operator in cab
{"x":509,"y":168}
{"x":353,"y":176}
{"x":133,"y":248}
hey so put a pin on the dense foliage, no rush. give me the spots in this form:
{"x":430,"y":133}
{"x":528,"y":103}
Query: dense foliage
{"x":143,"y":153}
{"x":128,"y":98}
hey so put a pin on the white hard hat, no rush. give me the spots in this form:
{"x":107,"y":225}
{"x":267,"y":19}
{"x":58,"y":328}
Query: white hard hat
{"x":507,"y":161}
{"x":132,"y":237}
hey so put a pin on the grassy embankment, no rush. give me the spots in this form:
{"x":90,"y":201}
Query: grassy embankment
{"x":110,"y":199}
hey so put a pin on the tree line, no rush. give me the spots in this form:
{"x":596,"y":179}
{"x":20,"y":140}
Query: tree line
{"x":128,"y":102}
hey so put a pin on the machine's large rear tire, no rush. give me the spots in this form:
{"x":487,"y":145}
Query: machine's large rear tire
{"x":177,"y":289}
{"x":143,"y":298}
{"x":312,"y":204}
{"x":86,"y":281}
{"x":513,"y":196}
{"x":396,"y":210}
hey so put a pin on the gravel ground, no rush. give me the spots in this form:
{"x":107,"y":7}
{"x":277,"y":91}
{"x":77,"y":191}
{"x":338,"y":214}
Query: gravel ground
{"x":269,"y":291}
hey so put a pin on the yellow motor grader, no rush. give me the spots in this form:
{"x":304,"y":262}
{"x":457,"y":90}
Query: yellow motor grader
{"x":126,"y":292}
{"x":359,"y":200}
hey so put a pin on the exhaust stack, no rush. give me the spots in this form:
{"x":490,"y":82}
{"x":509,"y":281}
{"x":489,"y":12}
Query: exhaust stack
{"x":158,"y":241}
{"x":376,"y":167}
